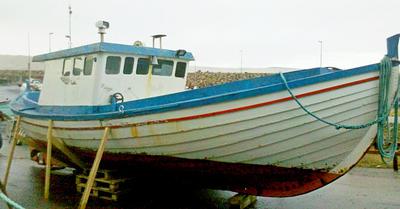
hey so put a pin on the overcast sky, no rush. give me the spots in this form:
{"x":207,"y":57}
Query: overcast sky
{"x":269,"y":32}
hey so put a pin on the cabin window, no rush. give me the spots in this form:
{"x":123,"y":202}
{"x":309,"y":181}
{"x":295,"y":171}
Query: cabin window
{"x":180,"y":69}
{"x":78,"y":66}
{"x":128,"y":66}
{"x":87,"y":69}
{"x":164,"y":68}
{"x":143,"y":66}
{"x":113,"y":65}
{"x":67,"y":67}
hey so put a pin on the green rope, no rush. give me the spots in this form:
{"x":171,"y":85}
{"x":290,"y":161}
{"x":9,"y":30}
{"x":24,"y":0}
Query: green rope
{"x":387,"y":149}
{"x":10,"y":201}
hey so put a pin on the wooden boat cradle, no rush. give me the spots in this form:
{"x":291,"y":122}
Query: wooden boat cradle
{"x":59,"y":145}
{"x":104,"y":186}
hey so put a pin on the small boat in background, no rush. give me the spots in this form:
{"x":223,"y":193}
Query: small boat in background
{"x":32,"y":84}
{"x":248,"y":136}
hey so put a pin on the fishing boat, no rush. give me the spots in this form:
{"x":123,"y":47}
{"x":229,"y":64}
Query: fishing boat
{"x":250,"y":136}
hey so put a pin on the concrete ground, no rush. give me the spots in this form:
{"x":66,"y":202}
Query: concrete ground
{"x":360,"y":188}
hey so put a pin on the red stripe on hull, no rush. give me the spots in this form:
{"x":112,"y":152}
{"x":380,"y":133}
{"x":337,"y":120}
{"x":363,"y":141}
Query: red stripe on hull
{"x":192,"y":117}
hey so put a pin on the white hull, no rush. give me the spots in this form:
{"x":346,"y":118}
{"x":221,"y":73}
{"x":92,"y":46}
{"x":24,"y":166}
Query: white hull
{"x":279,"y":134}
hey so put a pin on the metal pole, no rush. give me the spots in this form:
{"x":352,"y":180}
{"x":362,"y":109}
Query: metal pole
{"x":241,"y":61}
{"x":320,"y":55}
{"x":50,"y":41}
{"x":29,"y":59}
{"x":70,"y":34}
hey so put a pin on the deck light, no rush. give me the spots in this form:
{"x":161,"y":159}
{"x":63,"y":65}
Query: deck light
{"x":138,"y":44}
{"x":180,"y":53}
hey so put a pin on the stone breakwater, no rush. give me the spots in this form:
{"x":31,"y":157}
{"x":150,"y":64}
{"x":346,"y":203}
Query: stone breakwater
{"x":203,"y":79}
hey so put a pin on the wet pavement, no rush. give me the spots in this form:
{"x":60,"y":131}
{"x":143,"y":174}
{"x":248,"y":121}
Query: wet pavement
{"x":360,"y":188}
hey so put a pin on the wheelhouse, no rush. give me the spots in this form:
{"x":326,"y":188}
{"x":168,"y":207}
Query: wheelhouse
{"x":92,"y":74}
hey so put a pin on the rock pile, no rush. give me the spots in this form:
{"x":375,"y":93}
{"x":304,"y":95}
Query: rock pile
{"x":203,"y":79}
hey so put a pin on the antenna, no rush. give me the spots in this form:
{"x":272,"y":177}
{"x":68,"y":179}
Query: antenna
{"x":320,"y":54}
{"x":241,"y":61}
{"x":69,"y":36}
{"x":158,"y":36}
{"x":102,"y":26}
{"x":29,"y":58}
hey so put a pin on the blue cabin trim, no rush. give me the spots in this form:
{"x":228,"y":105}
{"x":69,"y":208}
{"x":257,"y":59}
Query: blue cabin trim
{"x":26,"y":105}
{"x":111,"y":48}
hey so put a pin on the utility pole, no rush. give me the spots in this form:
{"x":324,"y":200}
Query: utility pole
{"x":320,"y":54}
{"x":69,"y":36}
{"x":241,"y":61}
{"x":51,"y":33}
{"x":29,"y":59}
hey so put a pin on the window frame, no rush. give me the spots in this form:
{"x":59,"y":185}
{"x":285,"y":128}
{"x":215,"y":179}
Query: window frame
{"x":63,"y":69}
{"x":164,"y":60}
{"x":73,"y":66}
{"x":93,"y":58}
{"x":119,"y":65}
{"x":176,"y":68}
{"x":133,"y":65}
{"x":137,"y":65}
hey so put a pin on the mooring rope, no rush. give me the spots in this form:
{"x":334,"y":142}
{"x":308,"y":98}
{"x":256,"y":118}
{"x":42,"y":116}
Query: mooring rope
{"x":10,"y":201}
{"x":388,"y":148}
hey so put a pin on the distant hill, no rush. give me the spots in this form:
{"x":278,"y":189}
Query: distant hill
{"x":18,"y":62}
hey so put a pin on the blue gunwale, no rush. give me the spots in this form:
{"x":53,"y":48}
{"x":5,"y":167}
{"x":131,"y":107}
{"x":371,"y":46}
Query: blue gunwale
{"x":26,"y":105}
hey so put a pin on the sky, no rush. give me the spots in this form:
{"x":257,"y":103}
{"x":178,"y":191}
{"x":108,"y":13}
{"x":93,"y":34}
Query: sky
{"x":220,"y":33}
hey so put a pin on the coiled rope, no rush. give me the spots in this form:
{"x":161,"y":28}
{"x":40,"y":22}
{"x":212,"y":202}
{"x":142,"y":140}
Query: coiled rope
{"x":387,"y":148}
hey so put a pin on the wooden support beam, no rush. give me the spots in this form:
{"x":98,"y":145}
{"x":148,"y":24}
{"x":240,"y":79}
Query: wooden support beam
{"x":60,"y":145}
{"x":48,"y":160}
{"x":93,"y":171}
{"x":12,"y":149}
{"x":241,"y":201}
